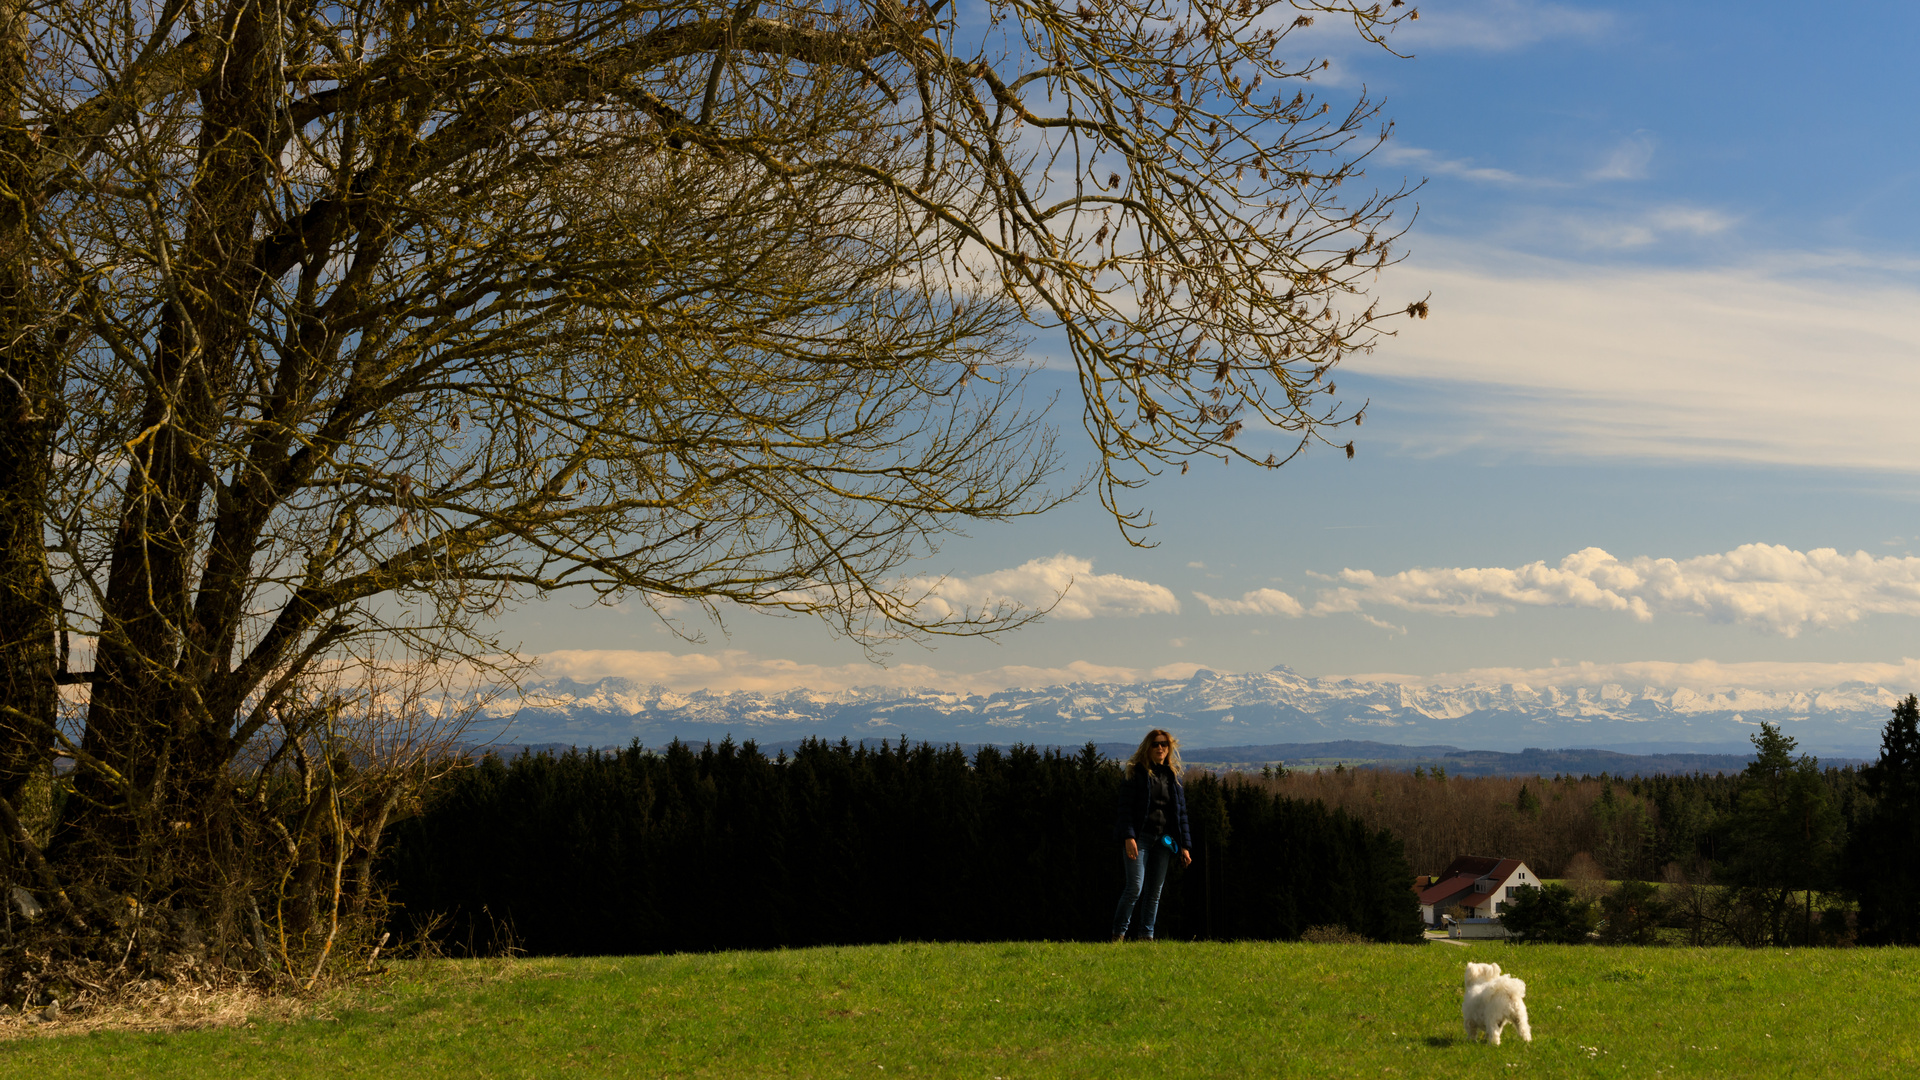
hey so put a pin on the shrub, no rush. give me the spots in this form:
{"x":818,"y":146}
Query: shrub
{"x":1634,"y":912}
{"x":1332,"y":934}
{"x":1549,"y":914}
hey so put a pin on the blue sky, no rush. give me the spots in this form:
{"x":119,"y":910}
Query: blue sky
{"x":1675,"y":266}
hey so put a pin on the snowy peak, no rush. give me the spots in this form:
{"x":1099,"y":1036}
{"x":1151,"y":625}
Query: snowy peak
{"x":1211,"y":708}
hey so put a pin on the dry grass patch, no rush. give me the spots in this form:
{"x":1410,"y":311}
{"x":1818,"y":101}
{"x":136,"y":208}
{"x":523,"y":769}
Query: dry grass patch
{"x":152,"y":1005}
{"x":186,"y":1004}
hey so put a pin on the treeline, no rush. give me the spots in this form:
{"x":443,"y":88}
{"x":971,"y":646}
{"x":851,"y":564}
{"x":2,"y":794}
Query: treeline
{"x":1782,"y":853}
{"x":722,"y":847}
{"x":1631,"y":827}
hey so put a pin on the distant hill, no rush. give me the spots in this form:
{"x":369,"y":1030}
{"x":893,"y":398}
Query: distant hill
{"x":1264,"y":708}
{"x":1457,"y":762}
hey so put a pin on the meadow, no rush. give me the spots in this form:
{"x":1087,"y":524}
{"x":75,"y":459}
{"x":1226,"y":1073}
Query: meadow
{"x":1033,"y":1010}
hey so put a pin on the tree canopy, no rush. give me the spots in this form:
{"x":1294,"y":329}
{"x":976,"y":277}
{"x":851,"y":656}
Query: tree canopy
{"x":334,"y":327}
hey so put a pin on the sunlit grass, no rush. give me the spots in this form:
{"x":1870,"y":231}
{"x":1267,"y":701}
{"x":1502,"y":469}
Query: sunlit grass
{"x":1066,"y":1010}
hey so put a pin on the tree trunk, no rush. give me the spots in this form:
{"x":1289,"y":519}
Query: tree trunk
{"x":28,"y":418}
{"x":149,"y":719}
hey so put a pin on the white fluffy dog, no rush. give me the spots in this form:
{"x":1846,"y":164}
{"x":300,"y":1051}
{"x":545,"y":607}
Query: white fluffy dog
{"x":1493,"y":1001}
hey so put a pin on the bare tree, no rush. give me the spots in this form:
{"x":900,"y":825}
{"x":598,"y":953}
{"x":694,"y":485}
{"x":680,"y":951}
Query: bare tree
{"x":336,"y":327}
{"x":1552,"y":825}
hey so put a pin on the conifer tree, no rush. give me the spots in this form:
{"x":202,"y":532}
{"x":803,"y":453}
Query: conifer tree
{"x":1784,"y":833}
{"x":835,"y":844}
{"x":1879,"y":867}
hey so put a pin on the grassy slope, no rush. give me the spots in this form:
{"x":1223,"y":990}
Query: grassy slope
{"x":1038,"y":1010}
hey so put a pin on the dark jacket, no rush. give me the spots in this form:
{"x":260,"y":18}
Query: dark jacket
{"x":1136,"y":796}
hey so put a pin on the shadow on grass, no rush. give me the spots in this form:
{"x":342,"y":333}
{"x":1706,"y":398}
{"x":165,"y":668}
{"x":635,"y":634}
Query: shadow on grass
{"x":1442,"y":1040}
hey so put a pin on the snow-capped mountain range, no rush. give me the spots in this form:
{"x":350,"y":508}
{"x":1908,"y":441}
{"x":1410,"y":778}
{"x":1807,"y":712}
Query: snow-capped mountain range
{"x":1212,"y":709}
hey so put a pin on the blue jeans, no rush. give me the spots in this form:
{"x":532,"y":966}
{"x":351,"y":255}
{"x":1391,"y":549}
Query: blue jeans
{"x":1140,"y":900}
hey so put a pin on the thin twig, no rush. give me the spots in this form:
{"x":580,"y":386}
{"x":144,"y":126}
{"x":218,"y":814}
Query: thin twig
{"x":131,"y":938}
{"x":339,"y":868}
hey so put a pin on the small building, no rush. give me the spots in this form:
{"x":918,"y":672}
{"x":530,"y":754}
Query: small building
{"x":1476,"y":928}
{"x":1479,"y":885}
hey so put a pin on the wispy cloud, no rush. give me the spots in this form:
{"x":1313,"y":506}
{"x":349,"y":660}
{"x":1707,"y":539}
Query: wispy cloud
{"x":1765,"y":586}
{"x":1499,"y":25}
{"x":1380,"y":623}
{"x":1643,"y":228}
{"x":735,"y":669}
{"x":1795,"y":358}
{"x":1628,"y":160}
{"x":1065,"y":582}
{"x":1429,"y":161}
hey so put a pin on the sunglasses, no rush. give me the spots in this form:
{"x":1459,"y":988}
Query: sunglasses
{"x":1162,"y":742}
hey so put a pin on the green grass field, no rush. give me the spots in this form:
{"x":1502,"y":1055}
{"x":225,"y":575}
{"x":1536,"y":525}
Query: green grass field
{"x":1044,"y":1010}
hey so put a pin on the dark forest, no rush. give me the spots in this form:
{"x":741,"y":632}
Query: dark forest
{"x":722,"y":847}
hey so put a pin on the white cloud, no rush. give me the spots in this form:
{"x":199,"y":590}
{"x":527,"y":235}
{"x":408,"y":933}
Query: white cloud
{"x":735,"y":669}
{"x":1702,"y":676}
{"x":1431,"y":162}
{"x":1626,"y":161}
{"x":1647,"y":227}
{"x":1257,"y":602}
{"x":1038,"y":583}
{"x":732,"y":669}
{"x":1381,"y":623}
{"x":1766,"y":586}
{"x":1801,"y":360}
{"x":1498,"y":25}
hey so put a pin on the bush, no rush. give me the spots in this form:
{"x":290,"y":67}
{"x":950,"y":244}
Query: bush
{"x":1332,"y":934}
{"x":1634,"y":912}
{"x":1549,"y":914}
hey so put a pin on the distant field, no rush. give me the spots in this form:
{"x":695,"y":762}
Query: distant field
{"x":1044,"y":1010}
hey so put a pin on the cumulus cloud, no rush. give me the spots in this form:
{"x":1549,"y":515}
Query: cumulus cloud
{"x":1257,"y":602}
{"x":1767,"y":586}
{"x":1068,"y":579}
{"x":735,"y":669}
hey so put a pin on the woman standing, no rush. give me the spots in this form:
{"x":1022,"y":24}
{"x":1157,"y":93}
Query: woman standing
{"x":1152,"y":828}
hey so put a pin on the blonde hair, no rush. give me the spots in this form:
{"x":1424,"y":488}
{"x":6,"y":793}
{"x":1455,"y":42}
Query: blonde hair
{"x":1143,"y":758}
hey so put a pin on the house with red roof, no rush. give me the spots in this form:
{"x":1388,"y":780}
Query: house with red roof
{"x":1482,"y":886}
